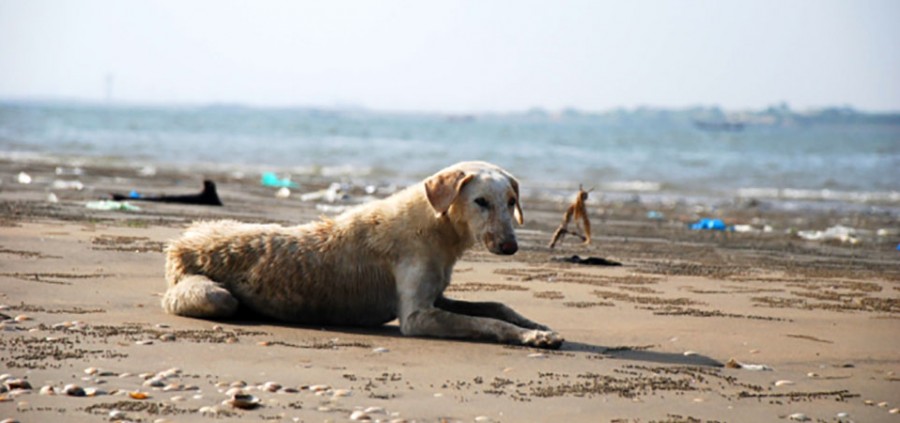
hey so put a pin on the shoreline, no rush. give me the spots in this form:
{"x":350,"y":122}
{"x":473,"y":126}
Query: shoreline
{"x":645,"y":341}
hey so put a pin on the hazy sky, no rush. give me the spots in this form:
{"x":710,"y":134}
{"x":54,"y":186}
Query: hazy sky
{"x":456,"y":56}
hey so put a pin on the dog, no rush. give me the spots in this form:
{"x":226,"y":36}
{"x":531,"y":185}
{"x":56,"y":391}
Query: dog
{"x":384,"y":260}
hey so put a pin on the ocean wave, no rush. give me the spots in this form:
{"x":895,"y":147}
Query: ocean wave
{"x":632,"y":186}
{"x":821,"y":195}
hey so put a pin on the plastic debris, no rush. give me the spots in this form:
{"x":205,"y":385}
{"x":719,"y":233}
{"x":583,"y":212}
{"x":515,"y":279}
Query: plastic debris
{"x":709,"y":225}
{"x":111,"y":205}
{"x":270,"y":179}
{"x":75,"y":185}
{"x":655,"y":215}
{"x":835,"y":233}
{"x":75,"y":171}
{"x":24,"y":178}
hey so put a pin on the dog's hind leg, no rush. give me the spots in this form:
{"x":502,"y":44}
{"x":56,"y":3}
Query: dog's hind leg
{"x":492,"y":310}
{"x":199,"y":296}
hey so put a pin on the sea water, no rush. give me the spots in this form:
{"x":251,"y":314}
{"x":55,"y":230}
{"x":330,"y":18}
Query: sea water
{"x":636,"y":152}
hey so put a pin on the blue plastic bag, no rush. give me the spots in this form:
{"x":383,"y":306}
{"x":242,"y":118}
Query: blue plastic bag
{"x":709,"y":225}
{"x":270,"y":179}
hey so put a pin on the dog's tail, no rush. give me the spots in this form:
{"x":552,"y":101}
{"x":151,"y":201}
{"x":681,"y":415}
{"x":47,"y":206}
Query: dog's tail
{"x":199,"y":296}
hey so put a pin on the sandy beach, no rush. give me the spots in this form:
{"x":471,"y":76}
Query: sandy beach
{"x":810,"y":328}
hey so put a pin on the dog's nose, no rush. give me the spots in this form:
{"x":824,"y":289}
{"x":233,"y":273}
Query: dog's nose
{"x":509,"y":247}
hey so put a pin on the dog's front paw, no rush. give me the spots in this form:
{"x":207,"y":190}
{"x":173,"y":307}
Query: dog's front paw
{"x":542,"y":339}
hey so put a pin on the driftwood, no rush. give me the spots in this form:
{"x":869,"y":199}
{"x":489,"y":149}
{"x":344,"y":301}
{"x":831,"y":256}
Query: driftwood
{"x":578,"y":211}
{"x":207,"y":197}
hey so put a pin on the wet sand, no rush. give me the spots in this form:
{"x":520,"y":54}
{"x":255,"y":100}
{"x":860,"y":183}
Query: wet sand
{"x":646,"y":341}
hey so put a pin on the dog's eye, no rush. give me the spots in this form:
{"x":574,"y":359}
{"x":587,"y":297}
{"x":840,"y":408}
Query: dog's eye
{"x":512,"y":202}
{"x":482,"y":202}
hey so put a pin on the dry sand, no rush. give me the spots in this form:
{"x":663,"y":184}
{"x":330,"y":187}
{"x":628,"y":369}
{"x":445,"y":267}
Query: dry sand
{"x":645,"y":341}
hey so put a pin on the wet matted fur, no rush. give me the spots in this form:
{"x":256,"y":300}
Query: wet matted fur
{"x":386,"y":259}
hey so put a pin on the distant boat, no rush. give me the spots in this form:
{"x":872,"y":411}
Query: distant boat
{"x":724,"y":125}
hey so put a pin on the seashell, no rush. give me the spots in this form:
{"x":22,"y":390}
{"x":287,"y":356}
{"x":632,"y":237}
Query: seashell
{"x":208,"y":411}
{"x":270,"y":386}
{"x":784,"y":382}
{"x":317,"y":388}
{"x":73,"y":390}
{"x":244,"y":401}
{"x":812,"y":374}
{"x":138,"y":395}
{"x":290,"y":390}
{"x":22,"y":318}
{"x":174,"y":371}
{"x":842,"y":415}
{"x":218,"y":328}
{"x":222,"y":385}
{"x":124,"y":375}
{"x":91,"y":370}
{"x":799,"y":417}
{"x":116,"y":414}
{"x":47,"y":390}
{"x":869,"y":402}
{"x":191,"y":388}
{"x":537,"y":355}
{"x":690,"y":353}
{"x":883,"y":404}
{"x":894,"y":411}
{"x":483,"y":419}
{"x":283,"y":192}
{"x":93,"y":392}
{"x":12,"y":384}
{"x":359,"y":415}
{"x":238,"y":384}
{"x":234,"y":391}
{"x":324,"y":409}
{"x":375,"y":410}
{"x":380,"y":350}
{"x":263,"y":343}
{"x":143,"y":342}
{"x":173,"y":387}
{"x":342,"y":393}
{"x":162,"y":326}
{"x":178,"y":398}
{"x":167,"y":337}
{"x":5,"y":376}
{"x":146,"y":375}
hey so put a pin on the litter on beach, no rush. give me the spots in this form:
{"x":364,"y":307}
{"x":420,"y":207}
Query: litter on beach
{"x":270,"y":179}
{"x":709,"y":225}
{"x":835,"y":233}
{"x":111,"y":205}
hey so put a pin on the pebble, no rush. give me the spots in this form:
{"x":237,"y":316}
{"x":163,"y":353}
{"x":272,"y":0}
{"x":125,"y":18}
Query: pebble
{"x":482,"y":419}
{"x":23,"y":178}
{"x":380,"y":350}
{"x":238,"y":384}
{"x":812,"y":374}
{"x":22,"y":318}
{"x":144,"y":342}
{"x":799,"y":417}
{"x":162,"y":326}
{"x":116,"y":414}
{"x":283,"y":192}
{"x":218,"y":328}
{"x":359,"y":416}
{"x":155,"y":382}
{"x":869,"y":402}
{"x":784,"y":382}
{"x":47,"y":390}
{"x":93,"y":392}
{"x":234,"y":391}
{"x":178,"y":398}
{"x":263,"y":343}
{"x":537,"y":355}
{"x":222,"y":385}
{"x":690,"y":353}
{"x":244,"y":401}
{"x":124,"y":375}
{"x":842,"y":415}
{"x":883,"y":404}
{"x":146,"y":375}
{"x":167,"y":337}
{"x":73,"y":390}
{"x":894,"y":411}
{"x":174,"y":371}
{"x":173,"y":387}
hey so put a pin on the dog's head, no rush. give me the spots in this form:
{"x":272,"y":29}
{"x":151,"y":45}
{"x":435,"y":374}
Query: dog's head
{"x":481,"y":197}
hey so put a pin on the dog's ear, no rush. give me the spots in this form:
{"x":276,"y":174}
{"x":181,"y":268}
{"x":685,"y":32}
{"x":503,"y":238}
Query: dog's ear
{"x":443,"y":188}
{"x":515,"y":186}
